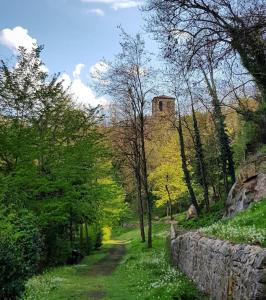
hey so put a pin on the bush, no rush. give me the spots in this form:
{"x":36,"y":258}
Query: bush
{"x":58,"y":249}
{"x":12,"y":276}
{"x":20,"y":251}
{"x":39,"y":287}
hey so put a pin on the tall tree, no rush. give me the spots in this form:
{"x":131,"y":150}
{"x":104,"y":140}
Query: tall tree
{"x":52,"y":155}
{"x":128,"y":80}
{"x":196,"y":136}
{"x":187,"y":177}
{"x":167,"y":177}
{"x":200,"y":157}
{"x":186,"y":27}
{"x":219,"y":120}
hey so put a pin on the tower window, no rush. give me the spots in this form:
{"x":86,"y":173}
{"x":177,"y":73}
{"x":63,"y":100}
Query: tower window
{"x":160,"y":106}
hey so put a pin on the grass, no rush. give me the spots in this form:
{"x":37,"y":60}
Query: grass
{"x":205,"y":219}
{"x":145,"y":273}
{"x":248,"y":226}
{"x":66,"y":282}
{"x":142,"y":274}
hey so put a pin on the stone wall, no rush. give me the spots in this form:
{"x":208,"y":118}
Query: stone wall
{"x":219,"y":268}
{"x":166,"y":109}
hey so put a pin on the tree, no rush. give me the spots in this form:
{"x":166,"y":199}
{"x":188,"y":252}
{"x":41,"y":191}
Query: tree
{"x":187,"y":27}
{"x":167,"y":178}
{"x":187,"y":176}
{"x":128,"y":80}
{"x":200,"y":157}
{"x":53,"y":158}
{"x":219,"y":120}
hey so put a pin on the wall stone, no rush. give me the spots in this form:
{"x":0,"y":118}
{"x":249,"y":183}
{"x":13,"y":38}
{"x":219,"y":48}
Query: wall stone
{"x":222,"y":270}
{"x":163,"y":106}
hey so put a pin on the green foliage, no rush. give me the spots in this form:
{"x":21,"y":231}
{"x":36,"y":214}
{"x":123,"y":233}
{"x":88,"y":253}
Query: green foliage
{"x":54,"y":163}
{"x":205,"y":218}
{"x":20,"y":250}
{"x":99,"y":238}
{"x":142,"y":274}
{"x":39,"y":287}
{"x":244,"y":142}
{"x":248,"y":226}
{"x":167,"y":178}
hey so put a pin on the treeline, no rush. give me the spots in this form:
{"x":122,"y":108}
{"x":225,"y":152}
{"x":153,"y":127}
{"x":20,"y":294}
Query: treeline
{"x":214,"y":55}
{"x":56,"y":178}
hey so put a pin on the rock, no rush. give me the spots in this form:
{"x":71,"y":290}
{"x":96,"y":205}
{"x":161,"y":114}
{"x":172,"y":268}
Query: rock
{"x":192,"y":212}
{"x":243,"y":194}
{"x":249,"y":187}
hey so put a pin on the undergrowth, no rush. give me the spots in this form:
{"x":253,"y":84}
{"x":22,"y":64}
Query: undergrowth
{"x":205,"y":219}
{"x":142,"y":274}
{"x":150,"y":275}
{"x":248,"y":226}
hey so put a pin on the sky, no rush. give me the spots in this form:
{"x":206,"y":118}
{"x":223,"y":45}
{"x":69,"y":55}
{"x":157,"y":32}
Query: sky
{"x":76,"y":35}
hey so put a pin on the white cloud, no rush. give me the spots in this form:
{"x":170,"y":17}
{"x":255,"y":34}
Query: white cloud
{"x":77,"y":70}
{"x":97,"y":11}
{"x":97,"y":72}
{"x":97,"y":69}
{"x":125,"y":4}
{"x":18,"y":36}
{"x":117,"y":4}
{"x":66,"y":80}
{"x":82,"y":93}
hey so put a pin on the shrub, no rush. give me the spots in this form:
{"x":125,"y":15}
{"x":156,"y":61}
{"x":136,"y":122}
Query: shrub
{"x":20,"y":251}
{"x":107,"y":233}
{"x":39,"y":287}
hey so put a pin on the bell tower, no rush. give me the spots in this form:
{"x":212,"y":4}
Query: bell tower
{"x":163,"y":106}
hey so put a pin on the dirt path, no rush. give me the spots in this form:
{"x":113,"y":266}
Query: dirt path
{"x":108,"y":264}
{"x":105,"y":267}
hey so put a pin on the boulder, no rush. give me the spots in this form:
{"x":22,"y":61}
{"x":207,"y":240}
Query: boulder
{"x":249,"y":187}
{"x":192,"y":212}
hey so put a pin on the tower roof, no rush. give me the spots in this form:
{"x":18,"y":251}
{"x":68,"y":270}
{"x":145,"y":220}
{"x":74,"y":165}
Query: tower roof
{"x":163,"y":97}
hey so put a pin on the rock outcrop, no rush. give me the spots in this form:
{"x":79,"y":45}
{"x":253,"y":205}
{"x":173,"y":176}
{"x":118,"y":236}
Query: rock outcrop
{"x":249,"y":187}
{"x":191,"y":212}
{"x":222,"y":270}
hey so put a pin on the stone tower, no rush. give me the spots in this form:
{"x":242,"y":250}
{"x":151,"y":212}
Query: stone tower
{"x":163,"y":106}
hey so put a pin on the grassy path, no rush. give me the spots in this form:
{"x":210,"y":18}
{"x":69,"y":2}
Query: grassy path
{"x":86,"y":280}
{"x":108,"y":264}
{"x":123,"y":269}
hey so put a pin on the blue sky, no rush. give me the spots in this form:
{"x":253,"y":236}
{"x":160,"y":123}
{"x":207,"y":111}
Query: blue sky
{"x":76,"y":34}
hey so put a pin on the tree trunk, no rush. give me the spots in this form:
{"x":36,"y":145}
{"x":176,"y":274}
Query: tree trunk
{"x":252,"y":50}
{"x":145,"y":180}
{"x":81,"y":237}
{"x":200,"y":158}
{"x":71,"y":231}
{"x":184,"y":164}
{"x":169,"y":202}
{"x":226,"y":153}
{"x":87,"y":237}
{"x":140,"y":205}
